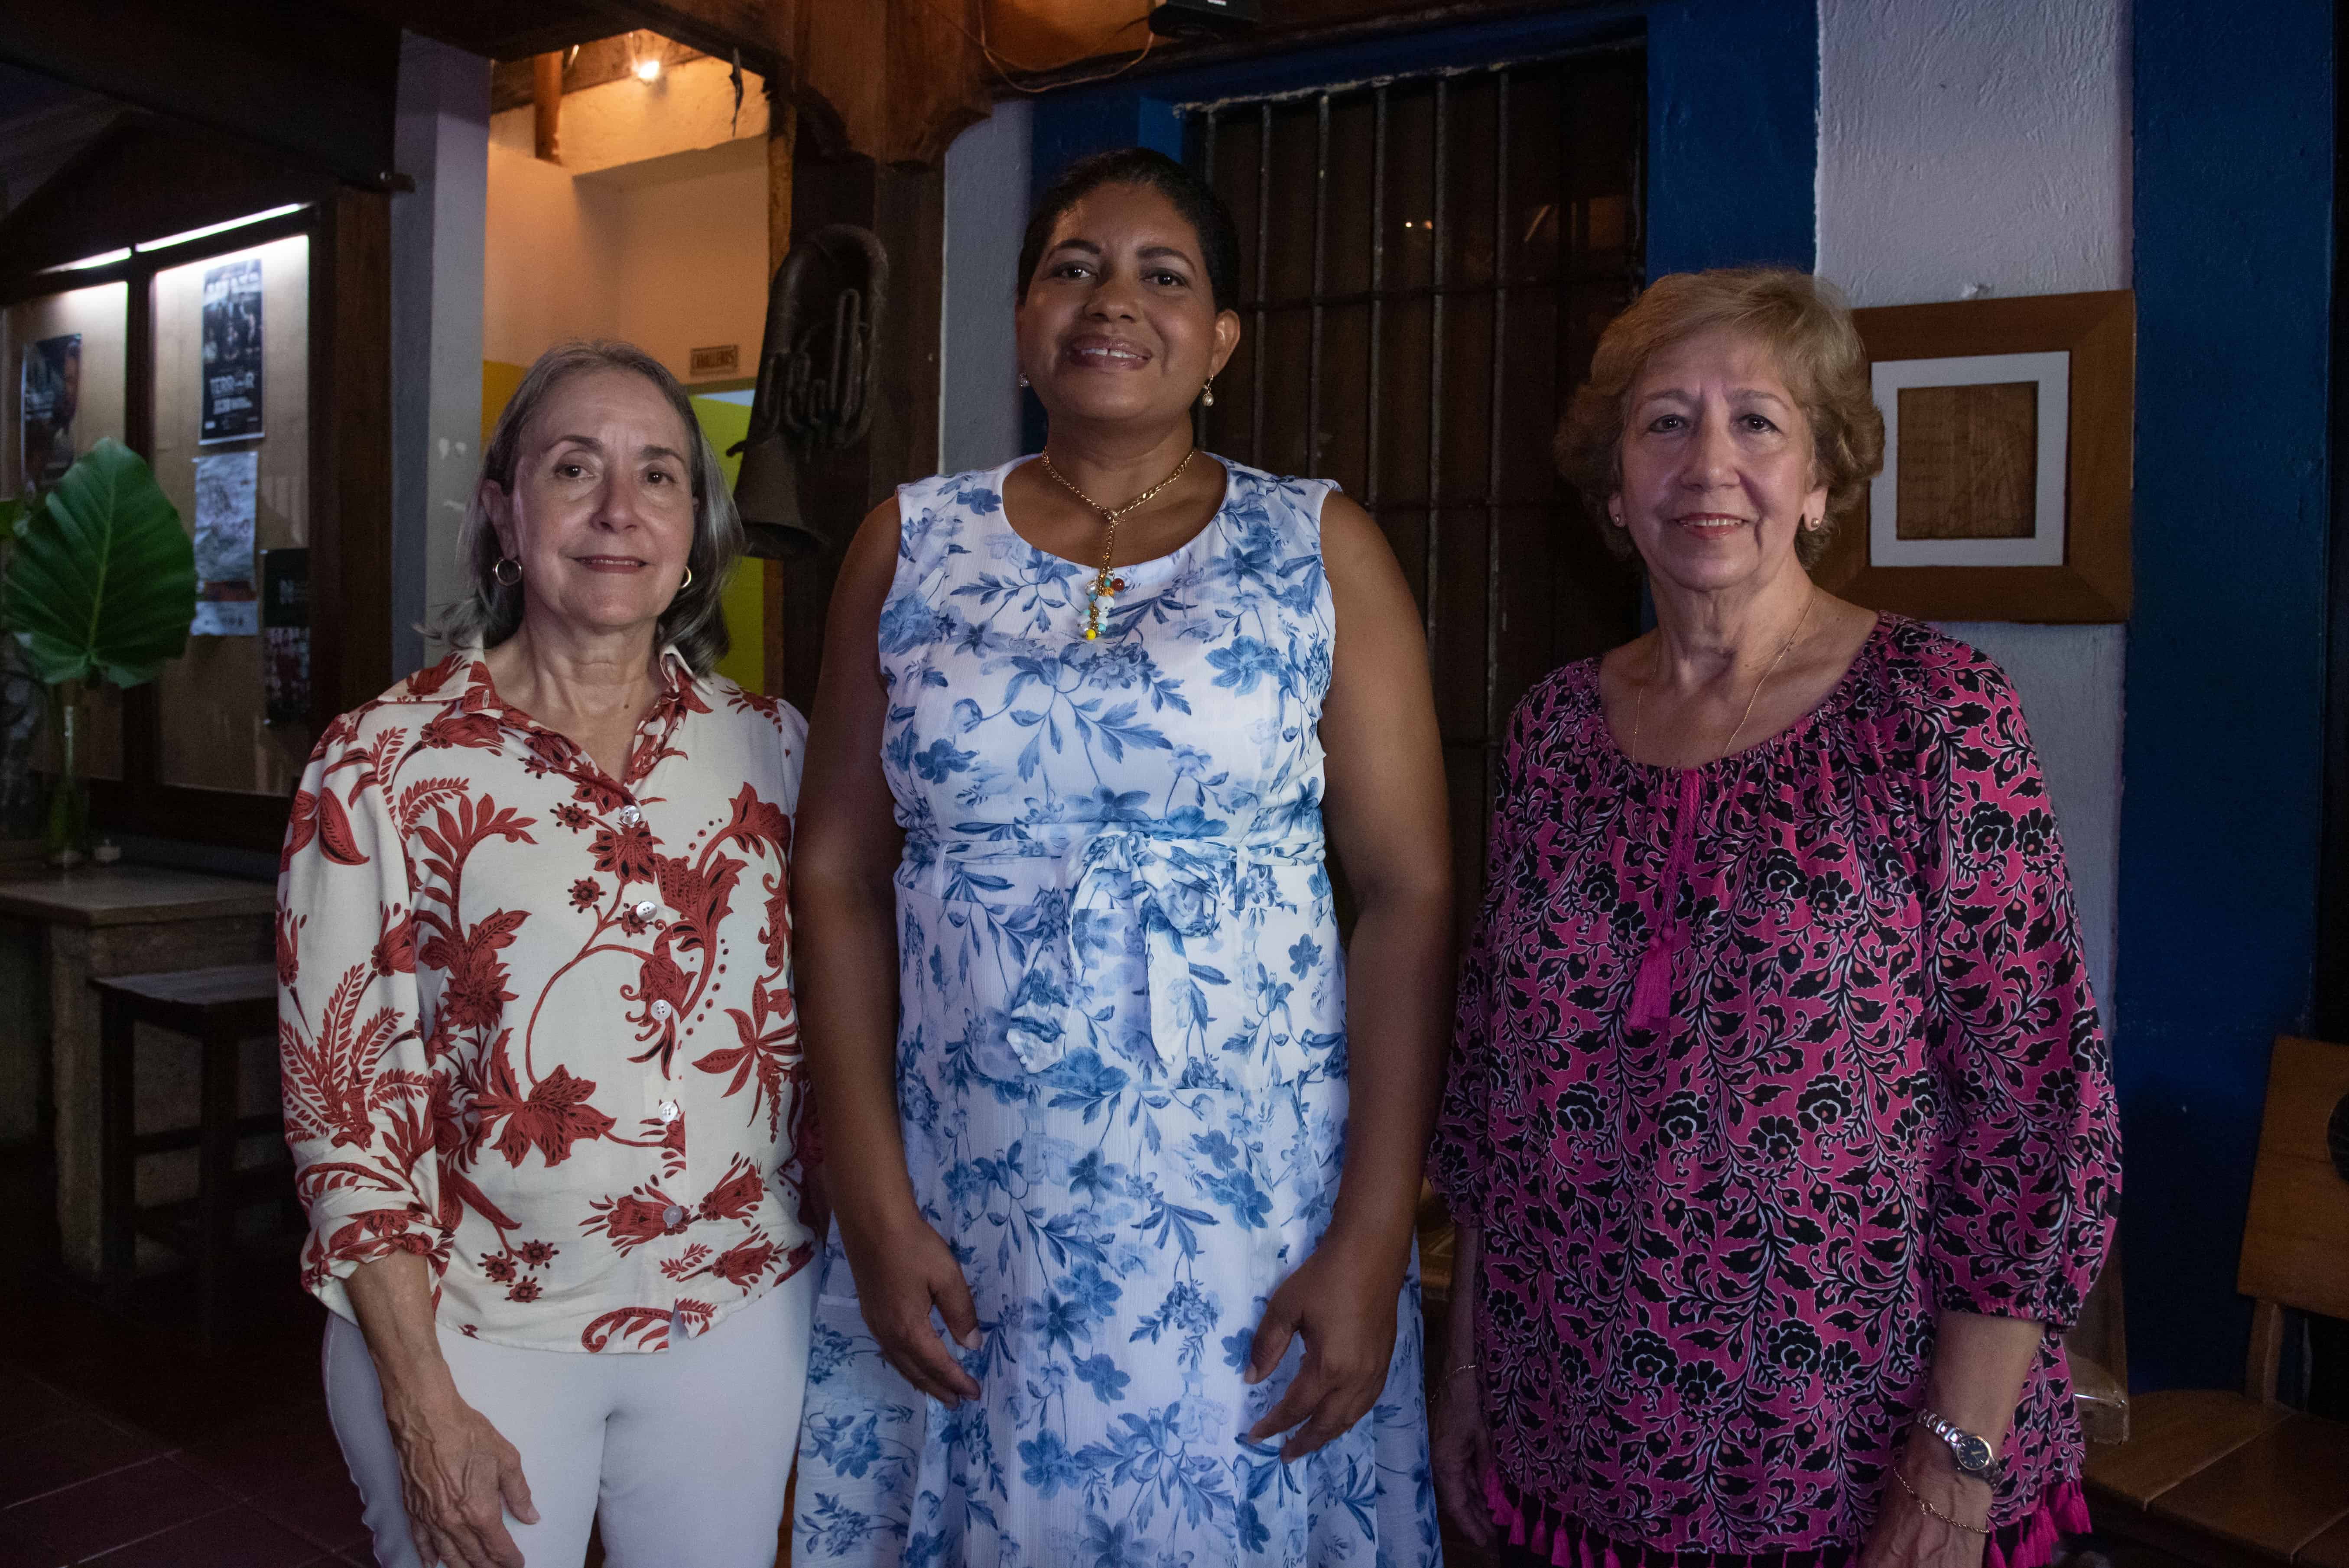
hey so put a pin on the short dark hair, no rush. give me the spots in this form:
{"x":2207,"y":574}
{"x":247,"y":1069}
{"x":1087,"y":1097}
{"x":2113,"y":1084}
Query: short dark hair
{"x":1219,"y":238}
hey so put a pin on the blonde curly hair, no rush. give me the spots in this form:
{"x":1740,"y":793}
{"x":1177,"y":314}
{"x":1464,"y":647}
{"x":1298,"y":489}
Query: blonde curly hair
{"x":1806,"y":326}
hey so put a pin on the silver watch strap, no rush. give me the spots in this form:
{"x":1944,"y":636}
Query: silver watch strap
{"x":1974,"y":1454}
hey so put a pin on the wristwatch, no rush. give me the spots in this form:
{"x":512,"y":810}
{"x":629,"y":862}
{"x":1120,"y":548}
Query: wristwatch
{"x":1973,"y":1454}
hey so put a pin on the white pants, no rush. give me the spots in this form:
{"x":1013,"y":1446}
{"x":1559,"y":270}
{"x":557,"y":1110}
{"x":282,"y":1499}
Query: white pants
{"x":684,"y":1454}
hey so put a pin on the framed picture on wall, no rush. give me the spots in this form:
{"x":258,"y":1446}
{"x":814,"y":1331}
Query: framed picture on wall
{"x":2005,"y":492}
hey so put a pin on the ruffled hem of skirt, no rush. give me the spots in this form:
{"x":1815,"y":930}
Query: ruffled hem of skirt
{"x":1530,"y":1525}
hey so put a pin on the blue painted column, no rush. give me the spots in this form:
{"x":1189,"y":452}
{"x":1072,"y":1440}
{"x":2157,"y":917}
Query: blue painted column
{"x":2223,"y":768}
{"x":1733,"y":134}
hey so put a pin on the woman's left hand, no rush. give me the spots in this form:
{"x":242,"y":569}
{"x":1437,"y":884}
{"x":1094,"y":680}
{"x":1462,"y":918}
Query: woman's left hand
{"x":1906,"y":1536}
{"x":1343,"y":1301}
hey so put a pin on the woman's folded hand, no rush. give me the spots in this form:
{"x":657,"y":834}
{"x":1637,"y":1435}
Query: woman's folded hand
{"x":1343,"y":1300}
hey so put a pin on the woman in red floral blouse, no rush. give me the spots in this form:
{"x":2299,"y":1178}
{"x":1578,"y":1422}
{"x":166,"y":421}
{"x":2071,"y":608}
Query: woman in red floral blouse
{"x":1779,"y":1128}
{"x":540,"y":1053}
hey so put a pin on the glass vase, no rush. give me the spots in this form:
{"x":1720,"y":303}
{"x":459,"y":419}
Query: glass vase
{"x":65,"y":838}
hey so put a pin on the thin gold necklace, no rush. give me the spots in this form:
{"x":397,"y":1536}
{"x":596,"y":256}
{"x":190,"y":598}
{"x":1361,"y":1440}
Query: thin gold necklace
{"x":1105,"y":587}
{"x":1639,"y":693}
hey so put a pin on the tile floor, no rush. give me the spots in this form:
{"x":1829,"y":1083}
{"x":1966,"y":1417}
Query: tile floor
{"x":125,"y":1445}
{"x":124,"y":1441}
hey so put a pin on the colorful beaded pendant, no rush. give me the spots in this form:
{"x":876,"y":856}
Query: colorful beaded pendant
{"x":1101,"y":601}
{"x":1101,"y":598}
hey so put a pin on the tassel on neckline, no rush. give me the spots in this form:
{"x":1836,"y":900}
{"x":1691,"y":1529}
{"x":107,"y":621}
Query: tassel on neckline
{"x":1651,"y":992}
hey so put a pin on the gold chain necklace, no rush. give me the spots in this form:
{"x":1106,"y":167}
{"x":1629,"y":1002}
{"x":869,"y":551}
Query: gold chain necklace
{"x":1639,"y":693}
{"x":1106,"y":588}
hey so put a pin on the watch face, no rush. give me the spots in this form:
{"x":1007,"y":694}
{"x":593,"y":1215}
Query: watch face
{"x":1973,"y":1454}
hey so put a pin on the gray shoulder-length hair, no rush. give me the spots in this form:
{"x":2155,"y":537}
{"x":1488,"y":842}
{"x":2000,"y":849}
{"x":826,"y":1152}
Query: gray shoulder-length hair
{"x":694,"y":621}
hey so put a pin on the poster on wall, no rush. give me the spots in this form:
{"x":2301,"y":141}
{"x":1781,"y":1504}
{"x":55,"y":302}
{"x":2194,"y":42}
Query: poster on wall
{"x":225,"y":606}
{"x":52,"y":391}
{"x":232,"y":411}
{"x":286,"y":632}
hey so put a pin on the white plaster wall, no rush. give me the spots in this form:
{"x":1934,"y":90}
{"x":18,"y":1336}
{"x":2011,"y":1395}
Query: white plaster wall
{"x":693,"y":255}
{"x":669,"y":254}
{"x":1983,"y":148}
{"x":987,"y":212}
{"x":551,"y":272}
{"x":441,"y":142}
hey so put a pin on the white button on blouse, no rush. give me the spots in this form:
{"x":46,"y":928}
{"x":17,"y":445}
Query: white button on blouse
{"x":488,"y":1063}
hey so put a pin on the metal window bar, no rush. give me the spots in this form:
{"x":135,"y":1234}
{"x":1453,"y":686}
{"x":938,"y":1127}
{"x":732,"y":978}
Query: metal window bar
{"x":1320,"y":249}
{"x":1501,"y":112}
{"x":1207,"y":164}
{"x":1263,"y":261}
{"x":1378,"y":288}
{"x":1501,"y":248}
{"x":1320,"y":300}
{"x":1441,"y":233}
{"x":1572,"y":266}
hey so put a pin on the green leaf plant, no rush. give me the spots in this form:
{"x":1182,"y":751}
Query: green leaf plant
{"x":101,"y":580}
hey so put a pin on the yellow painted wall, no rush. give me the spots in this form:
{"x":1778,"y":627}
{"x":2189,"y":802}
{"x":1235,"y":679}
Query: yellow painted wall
{"x":745,"y":662}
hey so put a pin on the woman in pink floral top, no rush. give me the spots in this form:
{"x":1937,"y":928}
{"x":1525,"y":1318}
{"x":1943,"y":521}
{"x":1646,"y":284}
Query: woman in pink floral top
{"x":1779,"y":1130}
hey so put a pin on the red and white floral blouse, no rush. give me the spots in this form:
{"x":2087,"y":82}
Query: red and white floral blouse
{"x":536,"y":1022}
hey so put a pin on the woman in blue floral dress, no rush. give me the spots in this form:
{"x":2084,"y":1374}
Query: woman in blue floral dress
{"x":1103,"y":1106}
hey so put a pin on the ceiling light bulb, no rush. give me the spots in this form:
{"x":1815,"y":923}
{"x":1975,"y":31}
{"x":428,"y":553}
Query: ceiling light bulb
{"x":648,"y":69}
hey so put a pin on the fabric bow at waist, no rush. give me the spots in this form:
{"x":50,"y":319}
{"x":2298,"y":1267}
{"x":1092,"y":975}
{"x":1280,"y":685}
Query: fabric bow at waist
{"x":1188,"y":897}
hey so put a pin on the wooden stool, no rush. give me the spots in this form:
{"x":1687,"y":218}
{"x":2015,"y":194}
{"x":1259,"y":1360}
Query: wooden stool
{"x":219,"y":1007}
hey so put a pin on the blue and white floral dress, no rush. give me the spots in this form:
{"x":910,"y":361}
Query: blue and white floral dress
{"x":1121,"y":1062}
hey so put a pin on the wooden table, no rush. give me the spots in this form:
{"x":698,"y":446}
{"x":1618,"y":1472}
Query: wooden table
{"x":66,"y":928}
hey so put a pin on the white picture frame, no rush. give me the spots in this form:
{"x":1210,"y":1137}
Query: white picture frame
{"x":2044,"y":546}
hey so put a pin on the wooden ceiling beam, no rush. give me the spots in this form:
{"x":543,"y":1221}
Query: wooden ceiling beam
{"x":891,"y":80}
{"x":757,"y":29}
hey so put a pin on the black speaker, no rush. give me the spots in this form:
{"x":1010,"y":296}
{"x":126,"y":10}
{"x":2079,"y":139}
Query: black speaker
{"x":1190,"y":18}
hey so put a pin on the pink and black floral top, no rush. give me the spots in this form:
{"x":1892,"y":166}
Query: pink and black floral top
{"x":1867,"y":1085}
{"x":535,"y":1023}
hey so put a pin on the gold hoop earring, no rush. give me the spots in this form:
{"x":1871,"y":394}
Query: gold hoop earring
{"x":499,"y":571}
{"x":1207,"y":394}
{"x":688,"y":581}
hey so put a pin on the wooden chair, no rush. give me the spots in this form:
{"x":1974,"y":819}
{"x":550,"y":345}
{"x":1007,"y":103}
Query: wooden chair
{"x":2097,"y":1349}
{"x":219,"y":1008}
{"x":2233,"y":1479}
